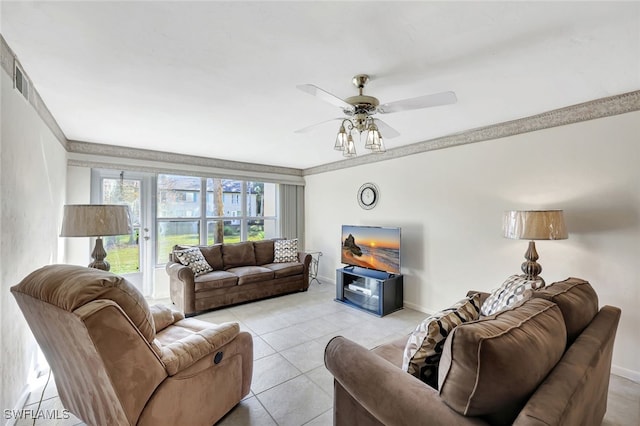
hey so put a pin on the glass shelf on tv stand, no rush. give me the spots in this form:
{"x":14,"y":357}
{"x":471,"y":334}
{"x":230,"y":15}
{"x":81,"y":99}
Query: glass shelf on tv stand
{"x":376,"y":292}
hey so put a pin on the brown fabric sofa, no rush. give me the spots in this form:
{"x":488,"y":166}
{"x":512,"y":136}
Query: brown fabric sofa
{"x":118,"y":362}
{"x":241,"y":272}
{"x":546,"y":361}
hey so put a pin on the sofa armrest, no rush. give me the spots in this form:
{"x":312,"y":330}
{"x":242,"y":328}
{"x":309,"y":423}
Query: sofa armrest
{"x":184,"y":352}
{"x":389,"y":394}
{"x":182,"y":286}
{"x":305,"y":259}
{"x":179,"y":271}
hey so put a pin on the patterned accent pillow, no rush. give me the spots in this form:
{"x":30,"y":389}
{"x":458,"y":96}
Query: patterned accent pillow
{"x":424,"y":347}
{"x":513,"y":290}
{"x":285,"y":251}
{"x":193,"y":258}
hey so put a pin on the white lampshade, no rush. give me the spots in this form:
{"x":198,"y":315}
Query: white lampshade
{"x":95,"y":220}
{"x":534,"y":225}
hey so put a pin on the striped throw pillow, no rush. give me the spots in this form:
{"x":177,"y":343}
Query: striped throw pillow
{"x":424,"y":347}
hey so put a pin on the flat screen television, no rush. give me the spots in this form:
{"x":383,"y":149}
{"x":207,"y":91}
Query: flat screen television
{"x":371,"y":247}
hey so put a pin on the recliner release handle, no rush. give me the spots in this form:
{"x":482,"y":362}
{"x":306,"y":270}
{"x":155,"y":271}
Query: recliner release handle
{"x":217,"y":358}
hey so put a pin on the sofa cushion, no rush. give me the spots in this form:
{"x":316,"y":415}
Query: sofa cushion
{"x":215,"y":279}
{"x":513,"y":290}
{"x":213,"y":255}
{"x":193,"y":258}
{"x":285,"y":251}
{"x":264,"y":251}
{"x":251,"y":274}
{"x":424,"y":347}
{"x":285,"y":269}
{"x":238,"y":254}
{"x":577,"y":300}
{"x":392,"y":351}
{"x":492,"y":366}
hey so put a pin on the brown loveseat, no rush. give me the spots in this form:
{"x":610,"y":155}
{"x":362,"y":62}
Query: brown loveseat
{"x":118,"y":362}
{"x":546,"y":361}
{"x":241,"y":272}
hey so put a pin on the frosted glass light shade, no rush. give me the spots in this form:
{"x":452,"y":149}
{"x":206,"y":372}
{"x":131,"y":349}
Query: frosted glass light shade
{"x":373,"y":137}
{"x":95,"y":220}
{"x":341,"y":139}
{"x":534,"y":225}
{"x":350,"y":147}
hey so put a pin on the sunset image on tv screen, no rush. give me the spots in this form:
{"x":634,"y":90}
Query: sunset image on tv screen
{"x":371,"y":247}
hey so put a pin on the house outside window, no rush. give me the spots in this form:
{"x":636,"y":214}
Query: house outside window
{"x":234,"y":211}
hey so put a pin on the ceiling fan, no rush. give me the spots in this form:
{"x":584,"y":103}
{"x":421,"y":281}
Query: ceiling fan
{"x":360,"y":110}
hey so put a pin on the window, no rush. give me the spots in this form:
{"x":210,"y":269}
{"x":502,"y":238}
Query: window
{"x":261,"y":209}
{"x":169,"y":209}
{"x":234,"y":211}
{"x":177,"y":196}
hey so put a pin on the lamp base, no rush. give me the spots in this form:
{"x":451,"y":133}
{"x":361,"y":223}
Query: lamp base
{"x":98,"y":254}
{"x":531,"y":268}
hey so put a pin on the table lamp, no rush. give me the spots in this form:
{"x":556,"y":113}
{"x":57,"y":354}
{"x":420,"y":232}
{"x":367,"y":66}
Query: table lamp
{"x":534,"y":225}
{"x":96,"y":220}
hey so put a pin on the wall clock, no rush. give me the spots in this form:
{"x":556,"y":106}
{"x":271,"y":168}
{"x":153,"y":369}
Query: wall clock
{"x":368,"y":196}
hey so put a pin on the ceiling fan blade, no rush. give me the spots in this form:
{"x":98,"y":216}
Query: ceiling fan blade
{"x":386,"y":131}
{"x":436,"y":99}
{"x":313,"y":126}
{"x":325,"y":96}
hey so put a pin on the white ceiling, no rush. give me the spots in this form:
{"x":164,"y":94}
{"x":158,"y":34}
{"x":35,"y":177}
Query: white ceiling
{"x":217,"y":79}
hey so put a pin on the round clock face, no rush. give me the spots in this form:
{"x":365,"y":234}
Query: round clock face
{"x":368,"y":196}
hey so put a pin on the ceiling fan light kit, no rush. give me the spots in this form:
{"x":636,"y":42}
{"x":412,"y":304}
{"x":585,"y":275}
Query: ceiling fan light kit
{"x":350,"y":147}
{"x":360,"y":110}
{"x":341,"y":139}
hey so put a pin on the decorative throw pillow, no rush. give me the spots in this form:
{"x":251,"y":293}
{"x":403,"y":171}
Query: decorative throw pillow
{"x":285,"y":251}
{"x":509,"y":293}
{"x":424,"y":347}
{"x":193,"y":258}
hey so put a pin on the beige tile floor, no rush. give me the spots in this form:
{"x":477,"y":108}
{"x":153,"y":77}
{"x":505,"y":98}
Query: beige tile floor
{"x":290,"y":383}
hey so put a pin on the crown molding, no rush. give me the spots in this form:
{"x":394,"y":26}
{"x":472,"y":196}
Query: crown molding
{"x":88,"y":154}
{"x":599,"y":108}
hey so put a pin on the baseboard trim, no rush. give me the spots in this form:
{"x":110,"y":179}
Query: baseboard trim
{"x":326,"y":280}
{"x":417,"y":308}
{"x":24,"y":395}
{"x":634,"y":376}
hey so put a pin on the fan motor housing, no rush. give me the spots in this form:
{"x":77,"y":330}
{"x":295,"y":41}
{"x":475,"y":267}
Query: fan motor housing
{"x":362,"y":104}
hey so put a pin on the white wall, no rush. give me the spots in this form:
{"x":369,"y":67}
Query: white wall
{"x":33,"y":173}
{"x":449,"y":204}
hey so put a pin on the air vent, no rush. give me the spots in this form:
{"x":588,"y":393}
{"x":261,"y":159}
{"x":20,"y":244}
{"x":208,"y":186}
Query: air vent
{"x":21,"y":81}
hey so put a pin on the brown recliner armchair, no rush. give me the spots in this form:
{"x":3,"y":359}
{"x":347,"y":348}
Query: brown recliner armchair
{"x":117,"y":361}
